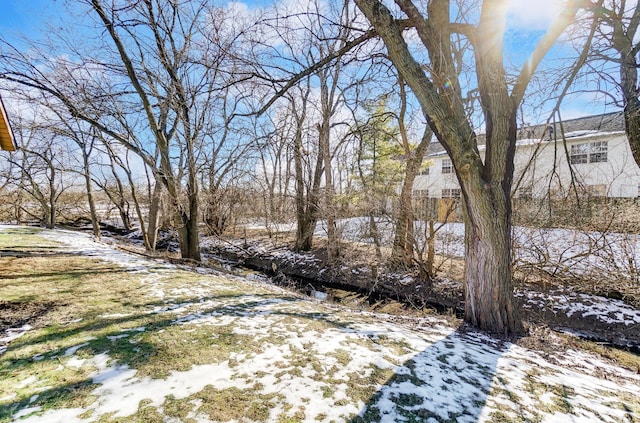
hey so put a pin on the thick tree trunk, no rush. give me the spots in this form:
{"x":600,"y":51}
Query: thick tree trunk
{"x":489,"y":302}
{"x":188,"y":231}
{"x":304,"y":233}
{"x":402,"y":251}
{"x":307,"y":216}
{"x":49,"y":219}
{"x":188,"y":236}
{"x":629,"y":85}
{"x":485,"y":183}
{"x":186,"y":221}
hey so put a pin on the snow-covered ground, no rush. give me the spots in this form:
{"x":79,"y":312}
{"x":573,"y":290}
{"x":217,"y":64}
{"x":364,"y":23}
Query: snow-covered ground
{"x":557,"y":251}
{"x":605,"y":257}
{"x":312,"y":357}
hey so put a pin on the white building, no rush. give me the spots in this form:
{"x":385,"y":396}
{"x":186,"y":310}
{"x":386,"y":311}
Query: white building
{"x":594,"y":153}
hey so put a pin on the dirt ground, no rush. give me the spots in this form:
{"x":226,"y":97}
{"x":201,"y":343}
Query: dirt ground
{"x":17,"y":314}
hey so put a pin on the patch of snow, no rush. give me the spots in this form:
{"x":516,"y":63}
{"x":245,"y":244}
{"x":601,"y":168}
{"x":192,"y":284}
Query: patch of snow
{"x":72,"y":350}
{"x":322,"y":296}
{"x":604,"y":309}
{"x":26,"y":412}
{"x":28,"y":381}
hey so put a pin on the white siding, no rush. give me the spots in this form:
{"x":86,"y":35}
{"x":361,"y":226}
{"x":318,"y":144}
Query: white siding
{"x":543,"y":167}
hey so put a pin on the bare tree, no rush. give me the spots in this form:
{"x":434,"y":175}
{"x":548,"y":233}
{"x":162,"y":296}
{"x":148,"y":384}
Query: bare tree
{"x":307,"y":183}
{"x":403,"y":242}
{"x":41,"y":162}
{"x":162,"y":70}
{"x":85,"y":138}
{"x":485,"y":184}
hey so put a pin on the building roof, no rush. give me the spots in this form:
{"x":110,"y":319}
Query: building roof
{"x":7,"y":141}
{"x":609,"y":122}
{"x":588,"y":125}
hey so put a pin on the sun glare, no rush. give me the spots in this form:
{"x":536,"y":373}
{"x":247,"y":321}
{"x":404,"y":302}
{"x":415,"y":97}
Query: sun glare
{"x":533,"y":15}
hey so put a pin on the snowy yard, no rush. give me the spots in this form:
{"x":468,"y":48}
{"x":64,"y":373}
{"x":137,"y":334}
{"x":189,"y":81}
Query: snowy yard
{"x":129,"y":339}
{"x":556,"y":250}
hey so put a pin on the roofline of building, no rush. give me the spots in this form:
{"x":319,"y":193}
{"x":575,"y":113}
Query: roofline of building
{"x":541,"y":141}
{"x":7,"y":140}
{"x":539,"y":134}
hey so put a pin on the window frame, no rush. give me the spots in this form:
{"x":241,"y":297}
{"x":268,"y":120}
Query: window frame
{"x":454,"y":193}
{"x":599,"y":152}
{"x":589,"y":152}
{"x":447,"y":166}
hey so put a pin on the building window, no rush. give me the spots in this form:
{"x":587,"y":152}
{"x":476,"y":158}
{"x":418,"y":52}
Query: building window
{"x":595,"y":152}
{"x":424,"y":171}
{"x":451,"y":193}
{"x":421,"y":193}
{"x":579,"y":153}
{"x":598,"y":152}
{"x":447,"y":167}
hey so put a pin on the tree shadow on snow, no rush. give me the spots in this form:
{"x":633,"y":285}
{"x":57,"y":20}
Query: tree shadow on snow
{"x":447,"y":382}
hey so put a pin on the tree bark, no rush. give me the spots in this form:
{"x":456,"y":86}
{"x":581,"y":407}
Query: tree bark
{"x":621,"y":35}
{"x":629,"y":87}
{"x":489,"y":302}
{"x":329,"y":209}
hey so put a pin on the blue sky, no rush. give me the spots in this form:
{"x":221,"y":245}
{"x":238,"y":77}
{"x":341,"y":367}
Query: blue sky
{"x":26,"y":16}
{"x":527,"y":21}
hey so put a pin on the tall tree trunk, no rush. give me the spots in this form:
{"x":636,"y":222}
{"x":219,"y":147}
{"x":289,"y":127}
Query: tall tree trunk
{"x":95,"y":222}
{"x":189,"y":232}
{"x":51,"y":208}
{"x":307,"y":199}
{"x":50,"y":216}
{"x":621,"y":29}
{"x":188,"y":235}
{"x":333,"y":249}
{"x":154,"y":215}
{"x":307,"y":207}
{"x":187,"y":217}
{"x":402,"y":251}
